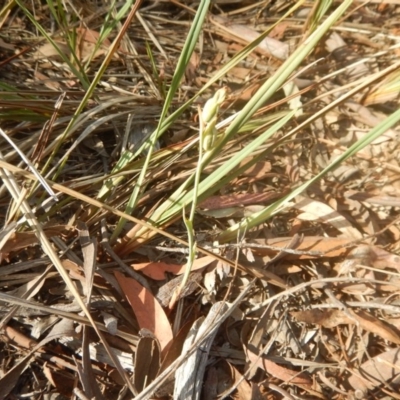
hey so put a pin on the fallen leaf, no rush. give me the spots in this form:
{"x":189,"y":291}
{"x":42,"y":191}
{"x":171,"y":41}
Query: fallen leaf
{"x":243,"y":387}
{"x":157,"y":270}
{"x":191,"y":69}
{"x":228,"y":212}
{"x":257,"y":170}
{"x":327,"y":246}
{"x":51,"y":83}
{"x":10,"y":378}
{"x":278,"y":30}
{"x":245,"y":93}
{"x":294,"y":99}
{"x":314,"y":210}
{"x":88,"y":43}
{"x":383,"y":259}
{"x":89,"y":252}
{"x":289,"y":376}
{"x":377,"y":371}
{"x":14,"y":336}
{"x":244,"y":34}
{"x":85,"y":369}
{"x":325,"y":318}
{"x":49,"y":51}
{"x":175,"y":349}
{"x":147,"y":309}
{"x":240,"y":74}
{"x":210,"y":387}
{"x":333,"y":318}
{"x":147,"y":362}
{"x":62,"y":382}
{"x":377,"y":326}
{"x":20,"y":240}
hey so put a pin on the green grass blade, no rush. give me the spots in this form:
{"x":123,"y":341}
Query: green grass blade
{"x":168,"y":121}
{"x":175,"y":204}
{"x":263,"y":215}
{"x":282,"y":74}
{"x":182,"y":64}
{"x":89,"y":92}
{"x":82,"y":78}
{"x":170,"y":207}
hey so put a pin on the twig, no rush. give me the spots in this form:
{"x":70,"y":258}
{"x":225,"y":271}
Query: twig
{"x":107,"y":247}
{"x":240,"y":246}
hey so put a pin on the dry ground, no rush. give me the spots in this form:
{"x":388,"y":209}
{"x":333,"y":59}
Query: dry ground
{"x":295,"y":288}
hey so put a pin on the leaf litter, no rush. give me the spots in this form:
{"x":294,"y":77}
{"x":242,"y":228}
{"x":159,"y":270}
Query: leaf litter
{"x":322,"y":318}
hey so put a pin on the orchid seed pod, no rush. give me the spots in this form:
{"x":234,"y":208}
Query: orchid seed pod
{"x":209,"y":135}
{"x":211,"y":107}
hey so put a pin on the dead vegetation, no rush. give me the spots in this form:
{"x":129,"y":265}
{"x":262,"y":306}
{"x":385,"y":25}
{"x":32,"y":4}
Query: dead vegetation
{"x":191,"y":210}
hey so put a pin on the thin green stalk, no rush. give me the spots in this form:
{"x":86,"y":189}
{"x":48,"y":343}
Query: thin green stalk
{"x":81,"y":76}
{"x":211,"y":180}
{"x":180,"y":199}
{"x":263,"y":215}
{"x":89,"y":90}
{"x":183,"y":61}
{"x":189,"y":222}
{"x":128,"y":156}
{"x":161,"y":84}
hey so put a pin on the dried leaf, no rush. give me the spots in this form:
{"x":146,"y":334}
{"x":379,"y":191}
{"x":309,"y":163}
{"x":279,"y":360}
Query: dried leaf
{"x":157,"y":270}
{"x":314,"y":210}
{"x":228,"y":212}
{"x":377,"y":371}
{"x":259,"y":170}
{"x":328,"y":247}
{"x":383,"y":259}
{"x":290,"y":89}
{"x":51,"y":83}
{"x":210,"y":388}
{"x":12,"y":335}
{"x":85,"y":371}
{"x":284,"y":374}
{"x":62,"y":381}
{"x":333,"y":318}
{"x":325,"y":318}
{"x":20,"y":240}
{"x":9,"y":380}
{"x":278,"y":30}
{"x":147,"y":309}
{"x":87,"y":42}
{"x":147,"y":362}
{"x":244,"y":34}
{"x":191,"y":69}
{"x":189,"y":376}
{"x":166,"y":291}
{"x":49,"y":51}
{"x":175,"y":349}
{"x":89,"y":252}
{"x":243,"y":387}
{"x":376,"y":326}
